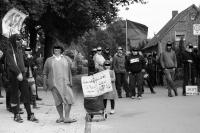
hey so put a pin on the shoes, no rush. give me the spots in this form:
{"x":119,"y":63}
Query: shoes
{"x":32,"y":118}
{"x":153,"y":92}
{"x":170,"y":95}
{"x":112,"y":111}
{"x":70,"y":121}
{"x":60,"y":120}
{"x":119,"y":96}
{"x":38,"y":99}
{"x":139,"y":97}
{"x":18,"y":118}
{"x":35,"y":107}
{"x":133,"y":97}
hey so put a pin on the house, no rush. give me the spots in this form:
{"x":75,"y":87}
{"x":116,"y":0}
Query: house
{"x":182,"y":25}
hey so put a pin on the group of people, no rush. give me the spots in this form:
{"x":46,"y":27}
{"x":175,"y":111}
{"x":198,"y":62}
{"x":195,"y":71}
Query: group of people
{"x":19,"y":80}
{"x":131,"y":70}
{"x":128,"y":71}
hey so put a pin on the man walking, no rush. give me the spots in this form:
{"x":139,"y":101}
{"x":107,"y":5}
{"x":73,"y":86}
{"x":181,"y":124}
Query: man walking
{"x":120,"y":72}
{"x":169,"y":64}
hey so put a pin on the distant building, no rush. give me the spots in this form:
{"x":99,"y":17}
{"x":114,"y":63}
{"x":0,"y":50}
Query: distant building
{"x":179,"y":26}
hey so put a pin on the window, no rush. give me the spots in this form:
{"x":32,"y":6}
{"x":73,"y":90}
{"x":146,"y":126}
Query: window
{"x":179,"y":35}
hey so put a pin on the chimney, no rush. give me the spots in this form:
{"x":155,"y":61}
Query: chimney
{"x":174,"y":13}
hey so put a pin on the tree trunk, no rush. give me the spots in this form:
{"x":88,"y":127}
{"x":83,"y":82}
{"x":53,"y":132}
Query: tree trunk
{"x":48,"y":46}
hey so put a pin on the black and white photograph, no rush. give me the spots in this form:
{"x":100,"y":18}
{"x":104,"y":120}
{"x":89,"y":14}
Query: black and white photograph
{"x":99,"y":66}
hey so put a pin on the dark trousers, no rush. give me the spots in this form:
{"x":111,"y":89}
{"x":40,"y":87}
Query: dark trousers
{"x":136,"y":79}
{"x":149,"y":84}
{"x":17,"y":86}
{"x":187,"y":80}
{"x":121,"y":80}
{"x":112,"y":103}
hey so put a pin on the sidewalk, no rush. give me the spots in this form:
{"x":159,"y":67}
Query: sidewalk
{"x":47,"y":116}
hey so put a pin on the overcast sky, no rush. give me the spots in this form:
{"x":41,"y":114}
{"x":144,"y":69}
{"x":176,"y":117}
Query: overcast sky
{"x":156,"y":13}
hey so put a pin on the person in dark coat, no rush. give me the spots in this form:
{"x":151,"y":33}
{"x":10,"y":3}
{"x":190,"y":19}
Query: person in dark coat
{"x":135,"y":65}
{"x":189,"y":67}
{"x":17,"y":78}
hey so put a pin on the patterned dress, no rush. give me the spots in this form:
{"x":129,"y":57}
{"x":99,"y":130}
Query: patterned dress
{"x":59,"y":79}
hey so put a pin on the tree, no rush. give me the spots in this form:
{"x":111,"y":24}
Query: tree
{"x":64,"y":20}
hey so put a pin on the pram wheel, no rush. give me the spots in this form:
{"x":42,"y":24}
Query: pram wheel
{"x":105,"y":115}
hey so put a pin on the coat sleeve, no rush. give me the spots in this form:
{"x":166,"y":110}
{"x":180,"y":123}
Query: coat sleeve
{"x":11,"y":65}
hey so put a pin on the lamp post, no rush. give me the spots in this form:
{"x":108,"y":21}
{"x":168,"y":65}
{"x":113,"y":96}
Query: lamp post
{"x":126,"y":31}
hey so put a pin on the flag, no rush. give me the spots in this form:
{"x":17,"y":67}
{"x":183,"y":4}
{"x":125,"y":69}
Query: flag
{"x":136,"y":33}
{"x":12,"y":22}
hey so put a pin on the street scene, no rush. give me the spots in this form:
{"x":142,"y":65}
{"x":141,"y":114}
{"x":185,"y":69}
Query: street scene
{"x":98,"y":66}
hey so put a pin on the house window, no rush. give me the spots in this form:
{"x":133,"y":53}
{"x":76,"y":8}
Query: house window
{"x":179,"y":35}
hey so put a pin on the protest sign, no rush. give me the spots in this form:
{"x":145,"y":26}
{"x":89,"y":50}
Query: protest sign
{"x":12,"y":22}
{"x":97,"y":84}
{"x":191,"y":90}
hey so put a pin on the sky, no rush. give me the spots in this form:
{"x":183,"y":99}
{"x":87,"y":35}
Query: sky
{"x":156,"y":13}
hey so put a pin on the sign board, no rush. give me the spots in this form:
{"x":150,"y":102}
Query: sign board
{"x":196,"y":29}
{"x":97,"y":84}
{"x":191,"y":90}
{"x":12,"y":22}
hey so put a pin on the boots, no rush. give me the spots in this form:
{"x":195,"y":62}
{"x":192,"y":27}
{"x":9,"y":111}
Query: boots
{"x":34,"y":102}
{"x":32,"y":118}
{"x":18,"y":118}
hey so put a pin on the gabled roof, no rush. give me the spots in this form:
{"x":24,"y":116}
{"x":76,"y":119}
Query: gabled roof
{"x":170,"y":24}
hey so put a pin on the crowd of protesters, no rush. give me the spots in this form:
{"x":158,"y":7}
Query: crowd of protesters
{"x":129,"y":72}
{"x":133,"y":69}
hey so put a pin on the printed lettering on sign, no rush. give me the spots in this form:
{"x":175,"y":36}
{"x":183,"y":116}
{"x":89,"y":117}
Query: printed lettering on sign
{"x":134,"y":60}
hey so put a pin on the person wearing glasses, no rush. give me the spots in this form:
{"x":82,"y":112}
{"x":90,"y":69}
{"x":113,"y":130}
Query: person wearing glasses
{"x":17,"y":78}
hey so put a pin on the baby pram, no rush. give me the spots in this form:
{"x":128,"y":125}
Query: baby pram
{"x":94,"y":106}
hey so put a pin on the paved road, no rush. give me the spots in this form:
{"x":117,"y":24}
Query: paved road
{"x":153,"y":114}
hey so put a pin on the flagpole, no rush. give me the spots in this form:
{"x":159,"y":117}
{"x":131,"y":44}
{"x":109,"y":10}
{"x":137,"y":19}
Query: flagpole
{"x":126,"y":31}
{"x":126,"y":37}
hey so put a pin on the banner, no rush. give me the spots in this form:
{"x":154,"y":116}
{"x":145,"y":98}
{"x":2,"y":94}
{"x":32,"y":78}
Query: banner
{"x":97,"y":84}
{"x":12,"y":22}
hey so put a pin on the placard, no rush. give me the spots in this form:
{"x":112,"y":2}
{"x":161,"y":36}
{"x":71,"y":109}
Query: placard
{"x":196,"y":29}
{"x":191,"y":90}
{"x":12,"y":22}
{"x":97,"y":84}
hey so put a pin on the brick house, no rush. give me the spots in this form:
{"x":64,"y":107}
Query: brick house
{"x":179,"y":26}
